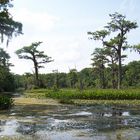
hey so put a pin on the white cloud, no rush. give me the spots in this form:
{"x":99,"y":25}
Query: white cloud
{"x":70,"y":54}
{"x":35,"y":20}
{"x":128,"y":5}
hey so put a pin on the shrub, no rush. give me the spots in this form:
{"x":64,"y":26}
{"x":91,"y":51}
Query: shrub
{"x":5,"y":102}
{"x":66,"y":101}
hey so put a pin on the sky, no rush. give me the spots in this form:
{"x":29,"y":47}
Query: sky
{"x":62,"y":26}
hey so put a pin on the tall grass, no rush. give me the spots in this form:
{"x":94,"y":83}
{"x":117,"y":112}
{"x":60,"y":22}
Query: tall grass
{"x":90,"y":94}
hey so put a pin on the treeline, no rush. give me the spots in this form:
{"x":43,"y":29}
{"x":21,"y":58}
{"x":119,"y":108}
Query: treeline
{"x":7,"y":80}
{"x":86,"y":78}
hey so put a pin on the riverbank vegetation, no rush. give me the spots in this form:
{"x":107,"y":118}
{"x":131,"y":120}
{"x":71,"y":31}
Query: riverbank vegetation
{"x":47,"y":101}
{"x":90,"y":94}
{"x":127,"y":97}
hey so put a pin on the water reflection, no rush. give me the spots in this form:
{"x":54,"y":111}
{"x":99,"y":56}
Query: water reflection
{"x":71,"y":122}
{"x":9,"y":128}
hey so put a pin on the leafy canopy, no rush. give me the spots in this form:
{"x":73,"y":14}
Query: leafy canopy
{"x":32,"y":53}
{"x":8,"y":27}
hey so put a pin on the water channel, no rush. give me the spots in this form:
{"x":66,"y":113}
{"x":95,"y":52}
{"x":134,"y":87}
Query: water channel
{"x":70,"y":122}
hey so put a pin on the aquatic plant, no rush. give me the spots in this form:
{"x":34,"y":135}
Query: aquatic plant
{"x":90,"y":94}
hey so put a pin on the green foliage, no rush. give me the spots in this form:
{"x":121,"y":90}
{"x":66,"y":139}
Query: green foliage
{"x":19,"y":81}
{"x":47,"y":80}
{"x":7,"y":82}
{"x":6,"y":78}
{"x":99,"y":60}
{"x":85,"y":79}
{"x":129,"y":103}
{"x":136,"y":48}
{"x":4,"y":59}
{"x":8,"y":27}
{"x":68,"y":94}
{"x":66,"y":101}
{"x":55,"y":88}
{"x":5,"y":102}
{"x":72,"y":78}
{"x":132,"y":74}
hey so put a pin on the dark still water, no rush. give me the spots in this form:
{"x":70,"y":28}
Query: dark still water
{"x":68,"y":122}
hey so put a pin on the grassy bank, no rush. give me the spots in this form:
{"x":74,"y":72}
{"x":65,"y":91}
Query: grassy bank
{"x":34,"y":101}
{"x":89,"y":94}
{"x":107,"y":102}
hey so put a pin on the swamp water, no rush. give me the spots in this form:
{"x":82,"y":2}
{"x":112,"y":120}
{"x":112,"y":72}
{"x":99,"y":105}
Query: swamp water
{"x":69,"y":122}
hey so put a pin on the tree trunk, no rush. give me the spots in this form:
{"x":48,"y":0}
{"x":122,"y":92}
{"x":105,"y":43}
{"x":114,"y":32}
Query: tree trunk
{"x":36,"y":76}
{"x":36,"y":73}
{"x":113,"y":75}
{"x":56,"y":82}
{"x":102,"y":76}
{"x":119,"y":69}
